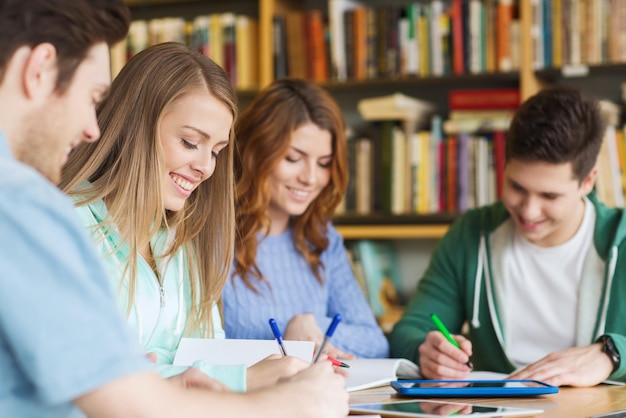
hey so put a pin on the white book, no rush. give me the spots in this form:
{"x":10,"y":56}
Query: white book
{"x":336,"y":11}
{"x":232,"y":351}
{"x":436,"y":33}
{"x":475,"y":28}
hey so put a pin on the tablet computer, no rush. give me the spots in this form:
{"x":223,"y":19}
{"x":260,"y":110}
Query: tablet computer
{"x":472,"y":388}
{"x":429,"y":409}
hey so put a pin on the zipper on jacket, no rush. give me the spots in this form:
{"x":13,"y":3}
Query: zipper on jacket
{"x":159,"y":281}
{"x":162,"y":296}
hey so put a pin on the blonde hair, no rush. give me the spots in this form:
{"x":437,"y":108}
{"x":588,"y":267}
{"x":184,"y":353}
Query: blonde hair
{"x":263,"y":140}
{"x":124,"y":169}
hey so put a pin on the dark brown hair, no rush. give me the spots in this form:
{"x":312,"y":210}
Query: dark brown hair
{"x":557,"y":125}
{"x":73,"y":27}
{"x":263,"y":140}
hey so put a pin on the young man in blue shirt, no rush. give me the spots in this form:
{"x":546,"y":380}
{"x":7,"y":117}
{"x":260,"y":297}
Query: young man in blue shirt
{"x":63,"y":343}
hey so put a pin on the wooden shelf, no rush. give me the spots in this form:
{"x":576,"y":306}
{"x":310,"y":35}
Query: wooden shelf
{"x":139,"y":3}
{"x":556,"y":74}
{"x":385,"y":226}
{"x":448,"y":80}
{"x":392,"y":231}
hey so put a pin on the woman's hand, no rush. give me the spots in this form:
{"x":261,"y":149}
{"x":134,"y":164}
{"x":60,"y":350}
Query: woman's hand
{"x":194,"y":378}
{"x":272,"y":369}
{"x":303,"y":327}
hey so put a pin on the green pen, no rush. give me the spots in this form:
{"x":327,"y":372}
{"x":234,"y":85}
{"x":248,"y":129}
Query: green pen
{"x":442,"y":328}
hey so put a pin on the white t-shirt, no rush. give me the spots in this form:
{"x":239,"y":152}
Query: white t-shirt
{"x":542,"y":293}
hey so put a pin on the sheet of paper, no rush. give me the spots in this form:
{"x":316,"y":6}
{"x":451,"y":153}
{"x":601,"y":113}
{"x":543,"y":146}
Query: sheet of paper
{"x":234,"y":351}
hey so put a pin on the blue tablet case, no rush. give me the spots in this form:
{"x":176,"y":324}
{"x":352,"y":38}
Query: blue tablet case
{"x":472,"y":388}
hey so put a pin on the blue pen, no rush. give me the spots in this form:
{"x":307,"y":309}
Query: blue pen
{"x":278,"y":336}
{"x":329,"y":333}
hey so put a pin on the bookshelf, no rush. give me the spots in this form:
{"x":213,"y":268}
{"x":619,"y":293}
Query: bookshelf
{"x":525,"y":78}
{"x":413,"y":236}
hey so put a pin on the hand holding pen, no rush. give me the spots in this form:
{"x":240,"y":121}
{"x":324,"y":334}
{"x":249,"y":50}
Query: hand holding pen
{"x":281,"y":345}
{"x":329,"y":333}
{"x":444,"y":331}
{"x":278,"y":336}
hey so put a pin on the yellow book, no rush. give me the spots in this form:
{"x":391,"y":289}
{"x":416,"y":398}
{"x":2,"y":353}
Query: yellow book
{"x":118,"y":57}
{"x":423,"y":42}
{"x":247,"y":50}
{"x":425,"y":173}
{"x":216,"y":42}
{"x":557,"y":42}
{"x":621,"y":154}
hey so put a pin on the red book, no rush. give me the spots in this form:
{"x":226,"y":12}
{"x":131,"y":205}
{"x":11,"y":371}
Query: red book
{"x":317,"y":59}
{"x":456,"y":18}
{"x":483,"y":99}
{"x":451,"y":173}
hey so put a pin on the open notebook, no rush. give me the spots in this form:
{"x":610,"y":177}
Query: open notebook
{"x":365,"y":373}
{"x":371,"y":373}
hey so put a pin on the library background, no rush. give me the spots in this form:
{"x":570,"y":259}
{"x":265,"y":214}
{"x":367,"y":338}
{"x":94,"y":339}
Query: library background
{"x":427,"y":89}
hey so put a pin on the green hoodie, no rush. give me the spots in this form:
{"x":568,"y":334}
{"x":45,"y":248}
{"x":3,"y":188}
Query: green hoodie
{"x":458,"y":285}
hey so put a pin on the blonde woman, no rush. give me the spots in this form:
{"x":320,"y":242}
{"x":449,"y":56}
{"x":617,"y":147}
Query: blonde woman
{"x":156,"y":192}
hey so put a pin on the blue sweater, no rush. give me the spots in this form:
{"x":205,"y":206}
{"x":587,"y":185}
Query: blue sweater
{"x":291,"y":288}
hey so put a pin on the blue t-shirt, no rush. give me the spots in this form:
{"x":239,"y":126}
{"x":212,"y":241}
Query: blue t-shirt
{"x":61,"y":334}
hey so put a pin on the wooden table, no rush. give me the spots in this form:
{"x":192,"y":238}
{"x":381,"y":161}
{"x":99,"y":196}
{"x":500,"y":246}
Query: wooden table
{"x":568,"y":403}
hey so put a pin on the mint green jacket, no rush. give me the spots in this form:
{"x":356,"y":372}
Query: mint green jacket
{"x":158,"y":312}
{"x":462,"y":284}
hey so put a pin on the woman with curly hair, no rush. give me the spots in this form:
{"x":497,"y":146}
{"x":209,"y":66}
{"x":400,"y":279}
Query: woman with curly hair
{"x":290,"y":262}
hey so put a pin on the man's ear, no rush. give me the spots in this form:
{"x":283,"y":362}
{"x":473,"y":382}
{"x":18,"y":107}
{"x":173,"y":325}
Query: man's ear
{"x":588,"y":182}
{"x":40,"y":71}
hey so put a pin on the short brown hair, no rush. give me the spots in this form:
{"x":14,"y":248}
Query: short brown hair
{"x":557,"y":125}
{"x":73,"y":27}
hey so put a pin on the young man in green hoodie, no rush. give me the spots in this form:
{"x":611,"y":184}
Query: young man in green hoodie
{"x":538,"y":275}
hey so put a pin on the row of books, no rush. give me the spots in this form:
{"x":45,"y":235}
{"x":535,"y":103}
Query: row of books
{"x":424,"y":172}
{"x":228,"y":39}
{"x":431,"y":171}
{"x":578,"y":32}
{"x":611,"y":179}
{"x":430,"y":38}
{"x":400,"y":167}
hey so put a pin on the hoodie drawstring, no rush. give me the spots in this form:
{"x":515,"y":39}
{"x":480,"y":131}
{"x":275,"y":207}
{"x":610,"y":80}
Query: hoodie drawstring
{"x":607,"y":291}
{"x":477,"y":283}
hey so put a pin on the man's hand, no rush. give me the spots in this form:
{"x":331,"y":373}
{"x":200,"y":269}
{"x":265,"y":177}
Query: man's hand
{"x":194,"y":378}
{"x":441,"y":360}
{"x":578,"y":366}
